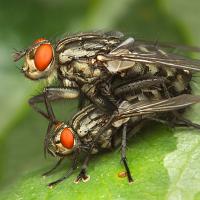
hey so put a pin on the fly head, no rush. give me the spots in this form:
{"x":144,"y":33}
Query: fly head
{"x":39,"y":59}
{"x":63,"y":141}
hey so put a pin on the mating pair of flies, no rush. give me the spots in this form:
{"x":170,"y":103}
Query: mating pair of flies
{"x":122,"y":84}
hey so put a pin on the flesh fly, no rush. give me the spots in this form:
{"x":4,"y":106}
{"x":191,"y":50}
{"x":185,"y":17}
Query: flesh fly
{"x":87,"y":64}
{"x":92,"y":131}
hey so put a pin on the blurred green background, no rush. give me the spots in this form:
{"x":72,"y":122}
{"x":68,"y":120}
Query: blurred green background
{"x":164,"y":162}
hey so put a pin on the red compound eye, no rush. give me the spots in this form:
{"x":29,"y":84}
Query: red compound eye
{"x":39,"y":40}
{"x":67,"y":138}
{"x":43,"y":55}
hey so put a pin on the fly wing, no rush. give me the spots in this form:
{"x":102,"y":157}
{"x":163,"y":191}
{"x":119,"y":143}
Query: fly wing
{"x":127,"y":109}
{"x":167,"y":46}
{"x":130,"y":51}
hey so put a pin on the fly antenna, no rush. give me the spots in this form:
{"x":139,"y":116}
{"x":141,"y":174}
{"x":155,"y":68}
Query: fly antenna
{"x":17,"y":55}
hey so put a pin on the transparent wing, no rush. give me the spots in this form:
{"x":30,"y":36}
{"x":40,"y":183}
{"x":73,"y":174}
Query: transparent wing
{"x":127,"y":109}
{"x":167,"y":46}
{"x":130,"y":51}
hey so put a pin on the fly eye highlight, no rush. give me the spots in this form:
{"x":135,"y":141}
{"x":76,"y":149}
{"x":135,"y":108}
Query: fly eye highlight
{"x":67,"y":138}
{"x":43,"y":55}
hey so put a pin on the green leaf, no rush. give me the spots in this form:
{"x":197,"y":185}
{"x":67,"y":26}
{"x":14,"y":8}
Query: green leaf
{"x":183,"y":166}
{"x":163,"y":166}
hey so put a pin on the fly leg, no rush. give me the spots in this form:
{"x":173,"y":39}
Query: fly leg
{"x":105,"y":89}
{"x":52,"y":94}
{"x":95,"y":96}
{"x":53,"y":168}
{"x":186,"y":122}
{"x":68,"y":173}
{"x":132,"y":129}
{"x":38,"y":99}
{"x":82,"y":175}
{"x":177,"y":121}
{"x":123,"y":154}
{"x":48,"y":132}
{"x":162,"y":121}
{"x":49,"y":108}
{"x":138,"y":86}
{"x":170,"y":123}
{"x":52,"y":121}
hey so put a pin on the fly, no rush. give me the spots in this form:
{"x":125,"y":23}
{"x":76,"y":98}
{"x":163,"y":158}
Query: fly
{"x":88,"y":64}
{"x":91,"y":130}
